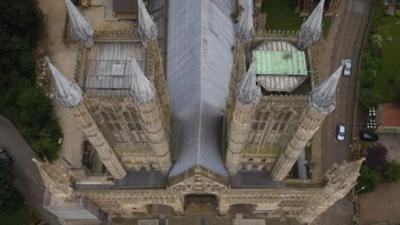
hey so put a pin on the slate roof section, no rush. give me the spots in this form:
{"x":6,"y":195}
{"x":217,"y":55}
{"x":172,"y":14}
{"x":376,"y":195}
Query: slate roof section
{"x":200,"y":39}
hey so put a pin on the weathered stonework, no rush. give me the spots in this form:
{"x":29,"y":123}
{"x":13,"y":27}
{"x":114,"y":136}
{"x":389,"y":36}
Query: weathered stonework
{"x":130,"y":131}
{"x":309,"y":124}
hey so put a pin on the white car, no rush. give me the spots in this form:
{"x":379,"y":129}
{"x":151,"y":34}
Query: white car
{"x":340,"y":132}
{"x":346,"y":67}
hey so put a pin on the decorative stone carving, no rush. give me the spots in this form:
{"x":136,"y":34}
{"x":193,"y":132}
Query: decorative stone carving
{"x":340,"y":181}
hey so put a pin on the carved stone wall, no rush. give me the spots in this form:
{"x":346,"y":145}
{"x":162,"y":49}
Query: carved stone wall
{"x":95,"y":136}
{"x":127,"y":202}
{"x":275,"y":121}
{"x":155,"y":72}
{"x":303,"y":202}
{"x":309,"y":124}
{"x":123,"y":125}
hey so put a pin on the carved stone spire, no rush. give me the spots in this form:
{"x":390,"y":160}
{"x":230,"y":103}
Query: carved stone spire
{"x":245,"y":26}
{"x":147,"y":27}
{"x":311,"y":29}
{"x":340,"y":181}
{"x":322,"y":102}
{"x":151,"y":119}
{"x":142,"y":90}
{"x":248,"y":92}
{"x":55,"y":177}
{"x":247,"y":96}
{"x":323,"y":98}
{"x":69,"y":94}
{"x":80,"y":27}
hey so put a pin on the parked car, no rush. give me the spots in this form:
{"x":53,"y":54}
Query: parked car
{"x":4,"y":156}
{"x":346,"y":67}
{"x":340,"y":132}
{"x":369,"y":136}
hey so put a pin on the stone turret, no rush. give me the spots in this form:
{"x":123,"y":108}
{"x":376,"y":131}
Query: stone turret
{"x":311,"y":29}
{"x":70,"y":96}
{"x":80,"y":27}
{"x":145,"y":99}
{"x":147,"y":28}
{"x":247,"y":97}
{"x":340,"y":180}
{"x":55,"y":178}
{"x":322,"y":102}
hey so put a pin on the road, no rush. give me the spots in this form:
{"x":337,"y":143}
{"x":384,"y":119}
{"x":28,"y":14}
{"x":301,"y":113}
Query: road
{"x":28,"y":181}
{"x":348,"y":44}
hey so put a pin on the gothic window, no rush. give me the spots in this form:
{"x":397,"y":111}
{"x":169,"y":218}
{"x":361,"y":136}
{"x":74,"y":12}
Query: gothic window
{"x":111,"y":121}
{"x":135,"y":127}
{"x":285,"y":121}
{"x":259,"y":125}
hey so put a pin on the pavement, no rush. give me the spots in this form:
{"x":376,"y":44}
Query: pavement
{"x":382,"y":205}
{"x":28,"y":182}
{"x":392,"y":144}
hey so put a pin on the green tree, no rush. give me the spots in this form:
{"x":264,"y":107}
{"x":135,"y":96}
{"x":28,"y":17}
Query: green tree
{"x":20,"y":100}
{"x":392,"y":172}
{"x":9,"y":197}
{"x":368,"y":179}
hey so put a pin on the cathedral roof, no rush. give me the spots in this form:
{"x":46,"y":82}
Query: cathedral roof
{"x":200,"y":39}
{"x":68,"y":93}
{"x":311,"y":29}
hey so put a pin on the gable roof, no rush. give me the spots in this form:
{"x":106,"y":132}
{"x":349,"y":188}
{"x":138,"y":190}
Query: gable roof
{"x":389,"y":114}
{"x":200,"y":39}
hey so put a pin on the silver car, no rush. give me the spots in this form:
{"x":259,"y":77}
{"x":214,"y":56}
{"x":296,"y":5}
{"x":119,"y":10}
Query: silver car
{"x":340,"y":132}
{"x":346,"y":67}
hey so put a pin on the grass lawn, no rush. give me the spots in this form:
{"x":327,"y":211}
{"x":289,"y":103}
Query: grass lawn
{"x":280,"y":15}
{"x":19,"y":216}
{"x":386,"y":86}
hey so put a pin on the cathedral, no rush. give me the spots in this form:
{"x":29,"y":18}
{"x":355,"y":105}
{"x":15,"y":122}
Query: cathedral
{"x":212,"y":111}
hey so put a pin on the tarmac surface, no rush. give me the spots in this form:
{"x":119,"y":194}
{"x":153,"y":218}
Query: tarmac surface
{"x":28,"y":181}
{"x":348,"y":44}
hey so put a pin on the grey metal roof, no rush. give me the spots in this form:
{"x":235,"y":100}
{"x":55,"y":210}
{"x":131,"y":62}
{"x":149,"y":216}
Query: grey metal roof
{"x":200,"y":40}
{"x":124,"y":6}
{"x":109,"y":66}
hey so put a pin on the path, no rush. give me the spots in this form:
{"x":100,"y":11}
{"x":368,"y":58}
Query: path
{"x":28,"y":181}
